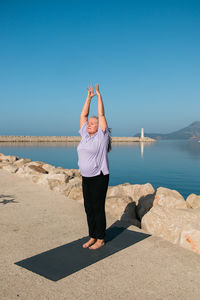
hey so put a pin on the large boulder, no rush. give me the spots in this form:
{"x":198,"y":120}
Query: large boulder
{"x":120,"y":197}
{"x":52,"y":180}
{"x":169,"y":198}
{"x":38,"y":169}
{"x":122,"y":208}
{"x":117,"y":190}
{"x":193,"y":201}
{"x":168,"y":223}
{"x":2,"y":164}
{"x":49,"y":168}
{"x":74,"y":186}
{"x":76,"y":192}
{"x":190,"y":238}
{"x":129,"y":216}
{"x":116,"y":205}
{"x":31,"y":168}
{"x":21,"y":162}
{"x":137,"y":191}
{"x":9,"y":158}
{"x":145,"y":203}
{"x":134,"y":191}
{"x":54,"y":183}
{"x":59,"y":170}
{"x":62,"y":180}
{"x":10,"y":168}
{"x":72,"y":173}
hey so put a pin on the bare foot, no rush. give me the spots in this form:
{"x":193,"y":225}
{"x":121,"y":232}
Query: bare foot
{"x":89,"y":243}
{"x":97,"y":245}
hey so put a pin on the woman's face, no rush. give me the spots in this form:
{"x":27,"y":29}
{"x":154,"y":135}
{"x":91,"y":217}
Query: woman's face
{"x":92,"y":126}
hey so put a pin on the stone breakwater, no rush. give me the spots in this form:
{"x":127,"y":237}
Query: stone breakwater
{"x":26,"y":138}
{"x":162,"y":212}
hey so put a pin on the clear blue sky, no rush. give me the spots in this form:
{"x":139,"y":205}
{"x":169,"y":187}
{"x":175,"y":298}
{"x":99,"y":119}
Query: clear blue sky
{"x":145,"y":55}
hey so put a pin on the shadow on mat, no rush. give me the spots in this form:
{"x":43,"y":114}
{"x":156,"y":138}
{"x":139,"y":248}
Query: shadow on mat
{"x":63,"y":261}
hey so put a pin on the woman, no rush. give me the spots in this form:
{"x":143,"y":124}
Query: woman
{"x":94,"y":168}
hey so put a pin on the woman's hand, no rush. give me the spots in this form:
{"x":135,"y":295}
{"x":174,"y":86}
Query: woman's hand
{"x":91,"y":91}
{"x":97,"y":89}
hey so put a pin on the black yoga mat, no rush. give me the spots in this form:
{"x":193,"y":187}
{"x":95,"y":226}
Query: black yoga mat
{"x":64,"y":260}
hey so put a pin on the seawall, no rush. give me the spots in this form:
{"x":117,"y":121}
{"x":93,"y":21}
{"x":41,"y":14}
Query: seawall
{"x":27,"y":138}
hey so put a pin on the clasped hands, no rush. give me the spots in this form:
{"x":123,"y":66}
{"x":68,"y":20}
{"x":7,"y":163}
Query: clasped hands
{"x":91,"y":90}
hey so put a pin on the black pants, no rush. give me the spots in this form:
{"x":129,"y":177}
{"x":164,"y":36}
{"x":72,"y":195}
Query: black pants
{"x":94,"y":194}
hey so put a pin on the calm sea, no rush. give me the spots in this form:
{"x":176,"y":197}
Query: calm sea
{"x":172,"y":164}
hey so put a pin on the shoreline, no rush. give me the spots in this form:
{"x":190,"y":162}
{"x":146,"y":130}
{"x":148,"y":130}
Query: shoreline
{"x":27,"y":138}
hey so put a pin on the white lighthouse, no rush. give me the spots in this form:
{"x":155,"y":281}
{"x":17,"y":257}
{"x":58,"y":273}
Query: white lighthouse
{"x":142,"y":133}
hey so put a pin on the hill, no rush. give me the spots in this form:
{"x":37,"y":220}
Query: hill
{"x":190,"y":132}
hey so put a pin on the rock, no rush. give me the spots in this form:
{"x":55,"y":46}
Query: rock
{"x":21,"y":162}
{"x":72,"y":183}
{"x":53,"y":183}
{"x":169,"y":198}
{"x":62,"y":177}
{"x":134,"y":191}
{"x":137,"y":191}
{"x":10,"y":168}
{"x":190,"y":238}
{"x":193,"y":201}
{"x":31,"y":168}
{"x":22,"y":172}
{"x":49,"y":168}
{"x":38,"y":169}
{"x":52,"y":180}
{"x":9,"y":158}
{"x":52,"y":169}
{"x":35,"y":163}
{"x":145,"y":203}
{"x":60,"y":170}
{"x":4,"y":163}
{"x":129,"y":215}
{"x":116,"y":205}
{"x":55,"y":178}
{"x":141,"y":194}
{"x":116,"y":191}
{"x":76,"y":193}
{"x":167,"y":222}
{"x":72,"y":173}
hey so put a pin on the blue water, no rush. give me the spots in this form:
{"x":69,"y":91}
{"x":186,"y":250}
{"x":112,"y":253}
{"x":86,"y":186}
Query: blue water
{"x":172,"y":164}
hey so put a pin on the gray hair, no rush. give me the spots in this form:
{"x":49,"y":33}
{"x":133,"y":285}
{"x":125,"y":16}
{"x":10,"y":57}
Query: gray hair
{"x":110,"y":139}
{"x":94,"y":117}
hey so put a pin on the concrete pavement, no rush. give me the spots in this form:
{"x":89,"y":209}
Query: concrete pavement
{"x":34,"y":220}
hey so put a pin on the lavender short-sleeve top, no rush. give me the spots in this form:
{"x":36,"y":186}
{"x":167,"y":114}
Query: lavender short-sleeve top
{"x":92,"y":152}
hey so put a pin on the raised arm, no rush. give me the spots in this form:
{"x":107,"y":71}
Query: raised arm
{"x":101,"y":113}
{"x":86,"y":106}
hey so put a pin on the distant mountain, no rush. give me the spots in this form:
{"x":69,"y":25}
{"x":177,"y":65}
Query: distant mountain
{"x":190,"y":132}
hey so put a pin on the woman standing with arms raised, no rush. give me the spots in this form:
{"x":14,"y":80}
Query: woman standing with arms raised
{"x":94,"y":168}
